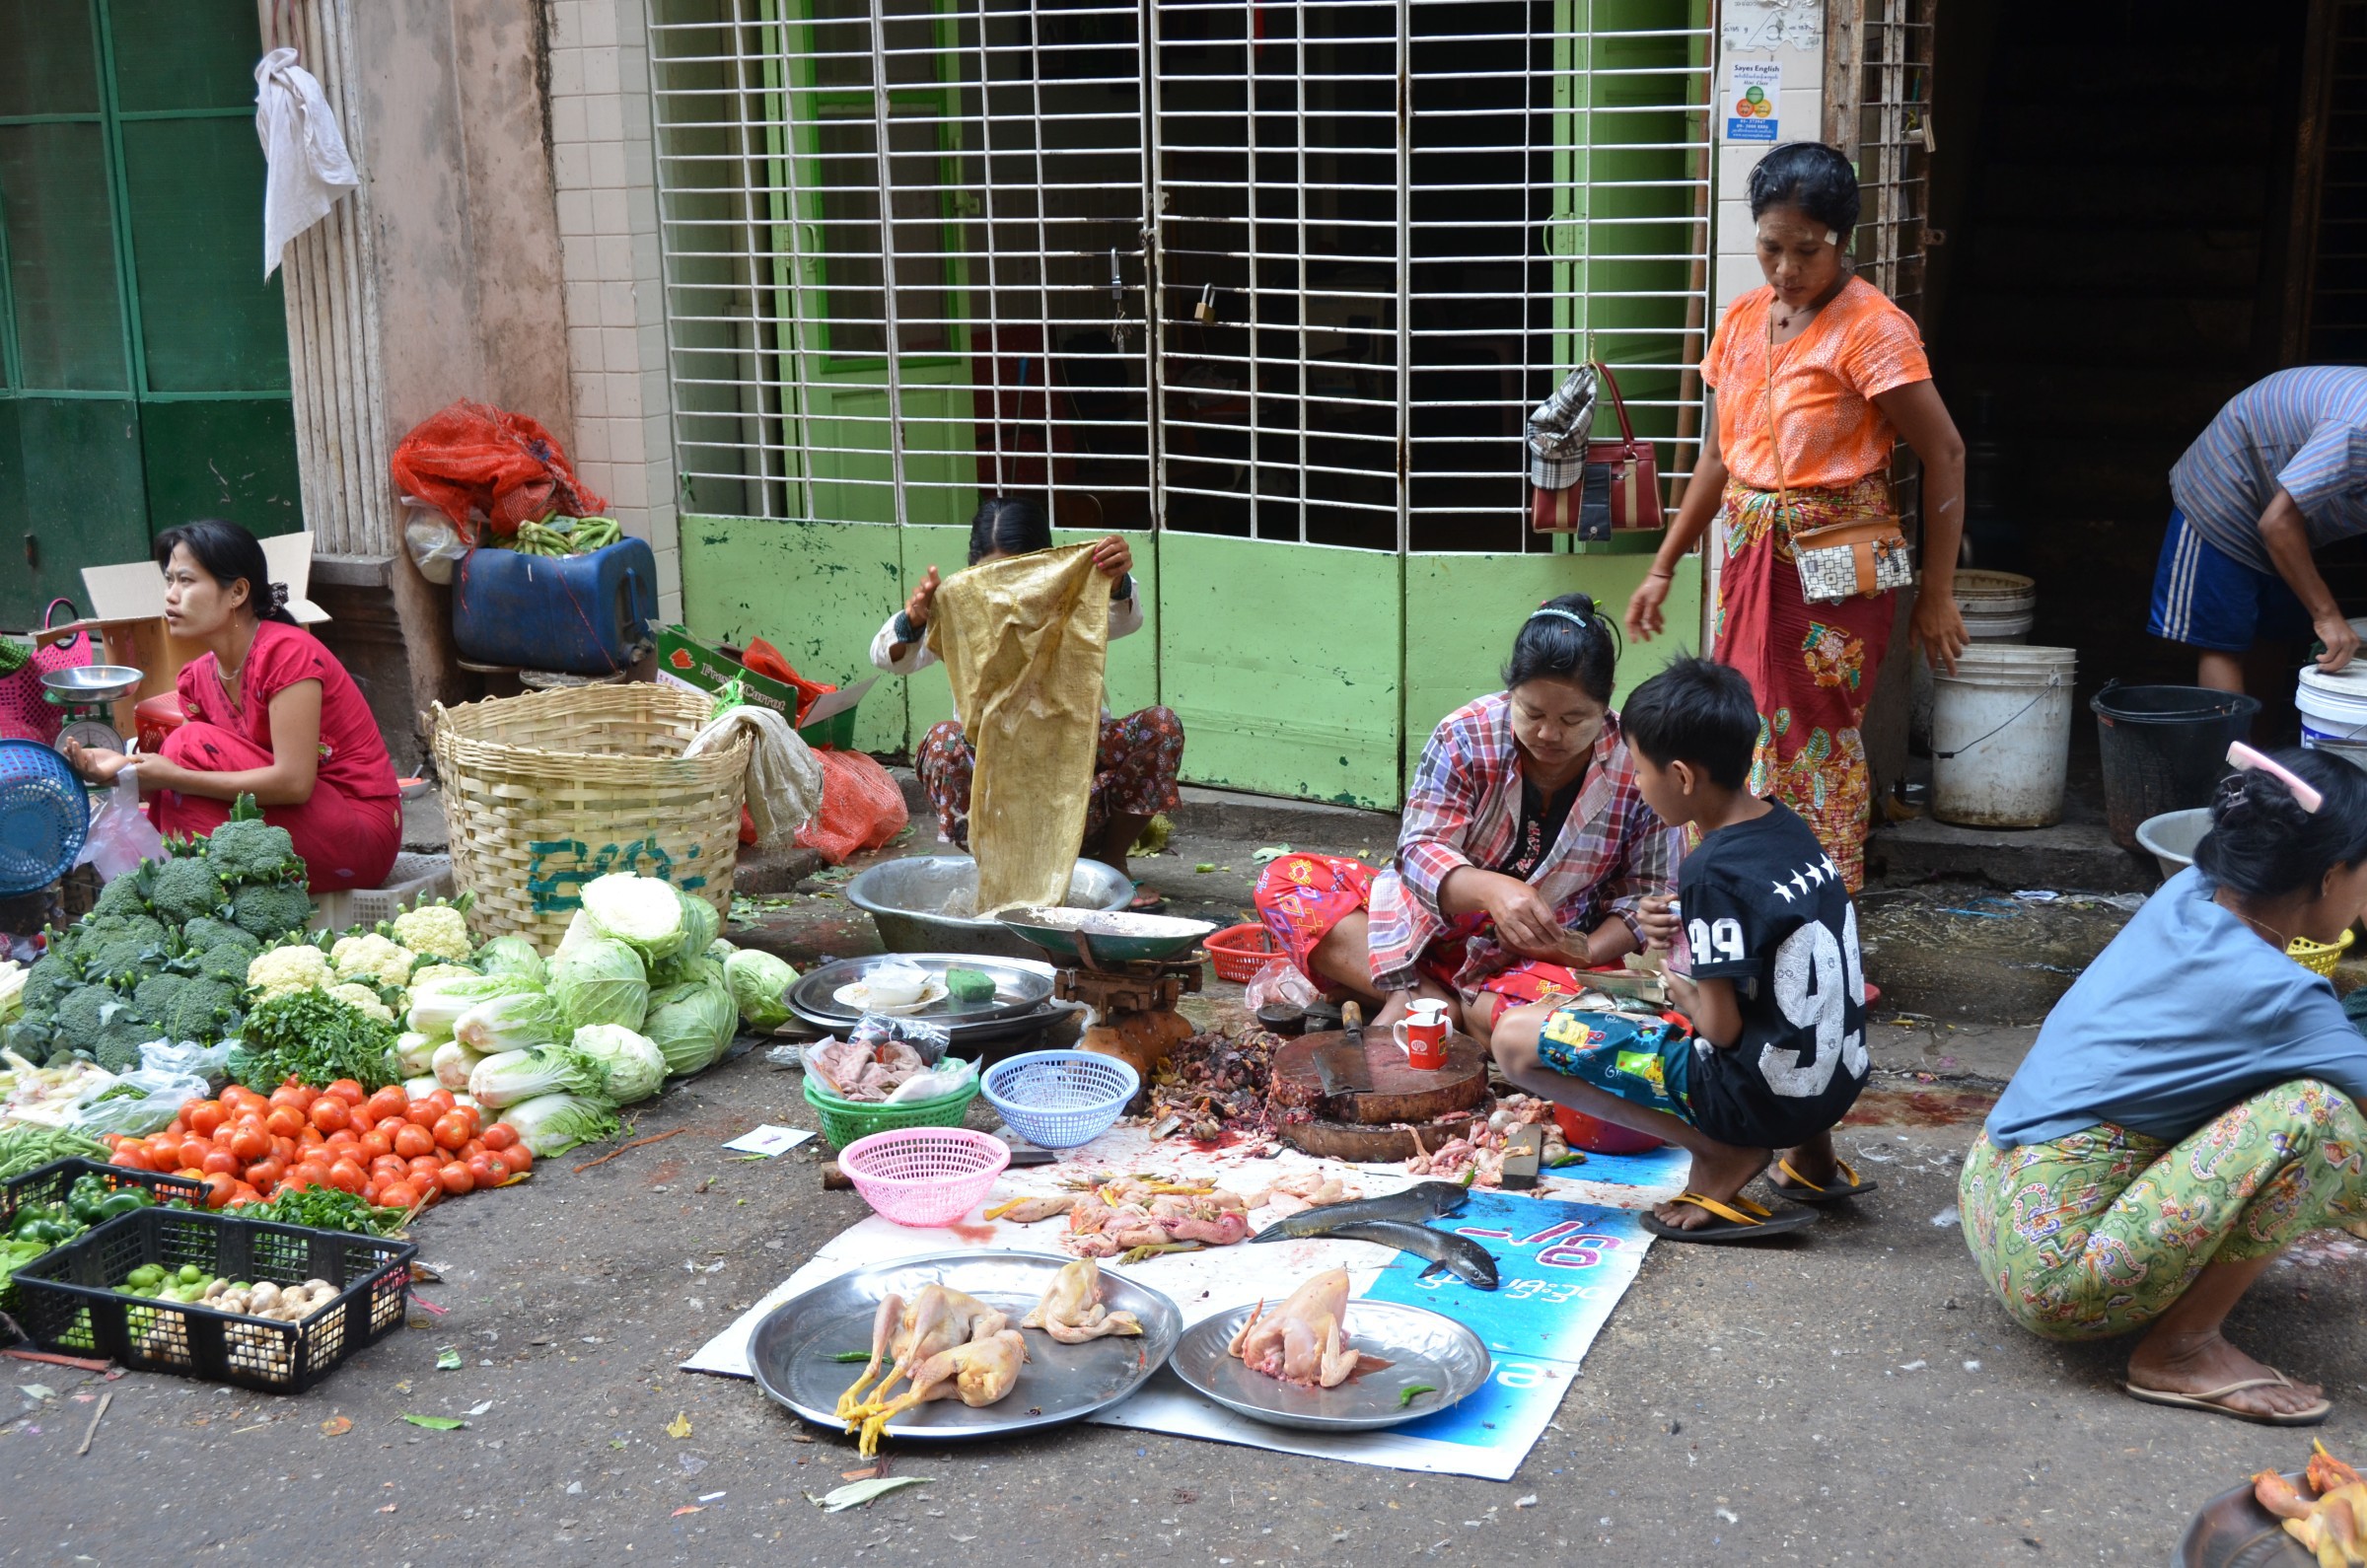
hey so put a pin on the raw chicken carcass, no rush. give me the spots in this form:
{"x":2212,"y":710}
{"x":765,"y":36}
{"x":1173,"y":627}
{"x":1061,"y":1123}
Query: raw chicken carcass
{"x":1140,"y":1211}
{"x":1027,"y":1211}
{"x":977,"y":1374}
{"x":1302,"y":1342}
{"x":1309,"y":1189}
{"x":936,"y":1319}
{"x":853,"y":1070}
{"x":1071,"y":1310}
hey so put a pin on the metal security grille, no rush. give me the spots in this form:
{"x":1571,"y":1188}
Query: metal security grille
{"x":1283,"y":270}
{"x":1895,"y":146}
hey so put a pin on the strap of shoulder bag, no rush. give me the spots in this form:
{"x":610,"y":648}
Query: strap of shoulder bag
{"x":1783,"y":488}
{"x":1618,"y":405}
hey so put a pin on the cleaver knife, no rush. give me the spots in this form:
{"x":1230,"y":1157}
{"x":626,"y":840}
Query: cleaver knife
{"x":1340,"y":1063}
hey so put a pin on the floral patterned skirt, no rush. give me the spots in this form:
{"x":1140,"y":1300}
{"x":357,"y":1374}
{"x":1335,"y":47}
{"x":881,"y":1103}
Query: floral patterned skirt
{"x":1811,"y":667}
{"x":1134,"y":771}
{"x":2097,"y":1232}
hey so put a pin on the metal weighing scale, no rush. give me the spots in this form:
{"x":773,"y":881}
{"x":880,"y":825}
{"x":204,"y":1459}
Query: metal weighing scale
{"x":89,"y":693}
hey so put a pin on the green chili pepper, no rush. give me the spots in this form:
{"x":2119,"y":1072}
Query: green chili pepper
{"x":118,"y":1204}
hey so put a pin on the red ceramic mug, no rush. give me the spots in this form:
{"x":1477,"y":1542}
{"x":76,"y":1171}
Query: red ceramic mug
{"x":1422,"y":1034}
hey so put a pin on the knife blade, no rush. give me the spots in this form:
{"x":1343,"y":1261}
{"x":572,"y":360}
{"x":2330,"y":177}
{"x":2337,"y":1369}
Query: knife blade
{"x":1341,"y":1061}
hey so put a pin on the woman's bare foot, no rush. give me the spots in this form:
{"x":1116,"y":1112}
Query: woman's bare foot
{"x":2194,"y":1365}
{"x":1720,"y":1171}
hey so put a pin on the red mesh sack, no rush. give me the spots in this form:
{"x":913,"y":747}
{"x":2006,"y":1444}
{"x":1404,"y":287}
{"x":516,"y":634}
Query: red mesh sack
{"x":862,"y":807}
{"x":765,"y":660}
{"x":476,"y":457}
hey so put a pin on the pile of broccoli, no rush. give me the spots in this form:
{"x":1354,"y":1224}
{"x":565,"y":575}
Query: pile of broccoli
{"x":163,"y":953}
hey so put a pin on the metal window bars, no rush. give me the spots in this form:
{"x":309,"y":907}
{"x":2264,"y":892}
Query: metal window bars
{"x":1289,"y":269}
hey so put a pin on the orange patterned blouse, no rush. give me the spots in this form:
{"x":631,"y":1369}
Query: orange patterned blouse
{"x":1826,"y":378}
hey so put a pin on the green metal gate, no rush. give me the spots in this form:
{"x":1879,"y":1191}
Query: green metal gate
{"x":143,"y":358}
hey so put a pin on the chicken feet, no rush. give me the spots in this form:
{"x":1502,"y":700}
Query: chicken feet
{"x":935,"y":1321}
{"x":977,"y":1374}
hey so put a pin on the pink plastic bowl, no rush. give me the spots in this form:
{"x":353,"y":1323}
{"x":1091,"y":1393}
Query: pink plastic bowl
{"x":924,"y":1175}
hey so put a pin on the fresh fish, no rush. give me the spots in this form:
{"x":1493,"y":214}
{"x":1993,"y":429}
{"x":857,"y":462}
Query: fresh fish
{"x":1422,"y":1201}
{"x":1459,"y":1256}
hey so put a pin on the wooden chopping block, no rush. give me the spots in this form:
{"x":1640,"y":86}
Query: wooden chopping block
{"x":1361,"y":1145}
{"x":1142,"y":1040}
{"x":1399,"y":1092}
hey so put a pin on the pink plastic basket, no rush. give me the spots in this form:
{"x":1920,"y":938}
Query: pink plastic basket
{"x":924,"y":1175}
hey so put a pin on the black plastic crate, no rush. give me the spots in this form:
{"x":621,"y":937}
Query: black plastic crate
{"x":51,"y":1182}
{"x":71,"y":1304}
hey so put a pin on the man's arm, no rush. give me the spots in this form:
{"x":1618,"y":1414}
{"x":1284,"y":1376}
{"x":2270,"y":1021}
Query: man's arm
{"x":2286,"y":537}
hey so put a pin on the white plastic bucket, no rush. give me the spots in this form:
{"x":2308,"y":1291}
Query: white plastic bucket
{"x":1999,"y":608}
{"x":2001,"y":737}
{"x":2333,"y":712}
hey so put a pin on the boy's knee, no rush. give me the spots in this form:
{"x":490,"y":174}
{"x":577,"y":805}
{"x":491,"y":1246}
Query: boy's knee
{"x":1513,"y":1041}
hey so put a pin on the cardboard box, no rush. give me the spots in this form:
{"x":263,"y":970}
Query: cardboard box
{"x":684,"y":661}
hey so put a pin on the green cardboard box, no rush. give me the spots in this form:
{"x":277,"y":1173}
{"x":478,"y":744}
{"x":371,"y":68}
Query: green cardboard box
{"x":684,"y":661}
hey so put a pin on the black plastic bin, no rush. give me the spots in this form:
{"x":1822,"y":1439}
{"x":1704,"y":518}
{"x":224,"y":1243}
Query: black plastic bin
{"x":2164,"y":748}
{"x":71,"y":1304}
{"x":53,"y":1182}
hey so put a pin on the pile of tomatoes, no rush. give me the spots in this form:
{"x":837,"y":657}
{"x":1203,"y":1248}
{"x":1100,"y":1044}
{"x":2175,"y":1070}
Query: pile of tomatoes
{"x":385,"y":1148}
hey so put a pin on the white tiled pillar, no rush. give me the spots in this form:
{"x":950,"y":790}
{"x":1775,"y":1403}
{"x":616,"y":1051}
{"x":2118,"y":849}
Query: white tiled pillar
{"x":605,"y":173}
{"x":1799,"y":118}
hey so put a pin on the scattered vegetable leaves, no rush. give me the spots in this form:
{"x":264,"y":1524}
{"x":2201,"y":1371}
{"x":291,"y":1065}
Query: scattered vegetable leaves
{"x":448,"y":1358}
{"x":336,"y":1426}
{"x":856,"y":1493}
{"x":436,"y":1423}
{"x":679,"y":1426}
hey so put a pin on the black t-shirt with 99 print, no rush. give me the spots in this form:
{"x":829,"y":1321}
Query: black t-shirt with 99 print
{"x":1766,"y":908}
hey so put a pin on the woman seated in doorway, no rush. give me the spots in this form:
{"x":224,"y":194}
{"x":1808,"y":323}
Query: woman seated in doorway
{"x":1141,"y":754}
{"x":2192,"y":1105}
{"x":1526,"y":848}
{"x":268,"y":712}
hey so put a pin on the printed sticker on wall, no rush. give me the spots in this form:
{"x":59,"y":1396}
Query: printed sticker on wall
{"x":1752,"y":90}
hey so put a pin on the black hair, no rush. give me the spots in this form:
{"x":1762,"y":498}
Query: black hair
{"x":1007,"y":526}
{"x":2262,"y":844}
{"x":1575,"y":642}
{"x":226,"y":553}
{"x":1695,"y":711}
{"x":1812,"y":176}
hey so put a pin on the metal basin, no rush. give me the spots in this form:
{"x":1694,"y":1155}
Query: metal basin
{"x":908,"y":900}
{"x":93,"y":683}
{"x":2171,"y":837}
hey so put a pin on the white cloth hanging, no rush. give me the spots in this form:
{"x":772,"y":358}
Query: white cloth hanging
{"x":310,"y":168}
{"x":784,"y":776}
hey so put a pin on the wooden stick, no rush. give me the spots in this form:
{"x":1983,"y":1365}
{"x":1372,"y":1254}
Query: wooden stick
{"x":622,"y":1147}
{"x":81,"y":1362}
{"x":105,"y":1399}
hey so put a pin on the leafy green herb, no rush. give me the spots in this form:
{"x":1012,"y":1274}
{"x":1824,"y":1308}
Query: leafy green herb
{"x":315,"y":1039}
{"x":326,"y":1209}
{"x":1408,"y":1396}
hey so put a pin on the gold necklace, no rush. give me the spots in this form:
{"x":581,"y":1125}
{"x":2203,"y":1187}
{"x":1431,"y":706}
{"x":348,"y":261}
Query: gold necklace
{"x":2261,"y":928}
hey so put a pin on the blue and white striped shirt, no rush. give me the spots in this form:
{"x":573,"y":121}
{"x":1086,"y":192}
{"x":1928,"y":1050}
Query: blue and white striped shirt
{"x":2303,"y":431}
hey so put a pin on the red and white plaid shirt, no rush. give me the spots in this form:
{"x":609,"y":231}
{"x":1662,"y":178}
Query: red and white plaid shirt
{"x":1465,"y":809}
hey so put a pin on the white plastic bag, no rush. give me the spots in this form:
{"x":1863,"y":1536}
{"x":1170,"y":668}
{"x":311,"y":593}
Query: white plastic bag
{"x":120,"y":837}
{"x":1279,"y":981}
{"x":189,"y":1059}
{"x":949,"y":1076}
{"x":160,"y":1098}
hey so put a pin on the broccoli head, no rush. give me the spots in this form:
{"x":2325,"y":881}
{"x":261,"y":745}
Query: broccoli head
{"x":201,"y":1009}
{"x":120,"y":945}
{"x":84,"y":1014}
{"x":47,"y":982}
{"x":183,"y":890}
{"x":119,"y":1042}
{"x":155,"y":993}
{"x":226,"y":961}
{"x":205,"y":933}
{"x":251,"y":852}
{"x":270,"y":909}
{"x":123,"y":897}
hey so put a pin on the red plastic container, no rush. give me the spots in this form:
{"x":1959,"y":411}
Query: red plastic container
{"x":1240,"y":951}
{"x":1601,"y":1137}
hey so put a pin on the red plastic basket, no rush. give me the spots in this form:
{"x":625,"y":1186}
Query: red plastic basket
{"x":1240,"y":951}
{"x":924,"y":1175}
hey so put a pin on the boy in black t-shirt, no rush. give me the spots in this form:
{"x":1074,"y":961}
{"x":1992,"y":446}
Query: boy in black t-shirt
{"x":1774,"y":988}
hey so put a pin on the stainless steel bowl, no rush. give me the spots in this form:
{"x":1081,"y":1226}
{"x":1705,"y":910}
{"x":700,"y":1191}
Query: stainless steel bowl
{"x":93,"y":682}
{"x":907,"y":900}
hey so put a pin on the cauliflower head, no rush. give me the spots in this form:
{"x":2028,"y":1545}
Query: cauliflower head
{"x":371,"y":959}
{"x":434,"y":931}
{"x":362,"y":999}
{"x":428,"y":972}
{"x":299,"y":966}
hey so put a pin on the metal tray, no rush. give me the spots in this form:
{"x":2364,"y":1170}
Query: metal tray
{"x":1021,"y":987}
{"x":1058,"y":931}
{"x":92,"y":683}
{"x":789,"y":1352}
{"x":1420,"y":1345}
{"x":2234,"y":1531}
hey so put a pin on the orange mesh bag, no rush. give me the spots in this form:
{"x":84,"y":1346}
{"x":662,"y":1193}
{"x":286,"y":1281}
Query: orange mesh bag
{"x":476,"y":457}
{"x":861,"y":807}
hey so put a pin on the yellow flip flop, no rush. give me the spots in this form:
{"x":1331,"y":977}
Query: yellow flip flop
{"x":1741,"y":1221}
{"x":1800,"y":1190}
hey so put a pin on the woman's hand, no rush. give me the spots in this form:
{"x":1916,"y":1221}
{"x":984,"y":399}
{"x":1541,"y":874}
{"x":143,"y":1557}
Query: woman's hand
{"x":1937,"y":627}
{"x":1113,"y":556}
{"x":916,"y":608}
{"x":1524,"y":921}
{"x":1644,"y":621}
{"x":98,"y":767}
{"x":1657,"y":916}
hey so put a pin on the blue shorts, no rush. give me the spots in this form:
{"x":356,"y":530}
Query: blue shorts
{"x":1648,"y":1064}
{"x":2207,"y":598}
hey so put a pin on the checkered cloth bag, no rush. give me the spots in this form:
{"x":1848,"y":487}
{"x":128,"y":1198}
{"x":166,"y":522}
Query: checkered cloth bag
{"x":1559,"y":429}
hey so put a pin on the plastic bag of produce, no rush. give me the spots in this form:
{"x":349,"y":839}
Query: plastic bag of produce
{"x":138,"y":1104}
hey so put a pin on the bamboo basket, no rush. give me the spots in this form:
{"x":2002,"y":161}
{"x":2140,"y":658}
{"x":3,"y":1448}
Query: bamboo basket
{"x":544,"y":792}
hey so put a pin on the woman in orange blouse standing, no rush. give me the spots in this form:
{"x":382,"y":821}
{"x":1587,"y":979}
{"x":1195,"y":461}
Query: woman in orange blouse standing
{"x":1817,"y":376}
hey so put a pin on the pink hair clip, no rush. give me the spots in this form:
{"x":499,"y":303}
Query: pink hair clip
{"x":2244,"y":758}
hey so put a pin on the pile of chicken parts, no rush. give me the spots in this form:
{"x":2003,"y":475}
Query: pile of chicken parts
{"x":1130,"y":1215}
{"x":862,"y":1070}
{"x":2334,"y":1524}
{"x":1480,"y":1149}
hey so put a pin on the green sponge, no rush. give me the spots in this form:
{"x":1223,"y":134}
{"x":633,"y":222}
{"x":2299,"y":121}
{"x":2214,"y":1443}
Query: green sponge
{"x":964,"y":987}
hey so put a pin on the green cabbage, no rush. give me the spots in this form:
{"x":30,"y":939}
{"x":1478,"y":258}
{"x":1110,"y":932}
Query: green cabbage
{"x":552,"y":1125}
{"x":700,"y":924}
{"x":692,"y":1025}
{"x":518,"y":1021}
{"x":512,"y":955}
{"x":643,"y":912}
{"x":636,"y":1068}
{"x":508,"y":1077}
{"x":600,"y":982}
{"x":721,"y":951}
{"x":759,"y":985}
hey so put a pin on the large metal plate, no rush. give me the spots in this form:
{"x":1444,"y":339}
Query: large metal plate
{"x":2234,"y":1531}
{"x":1021,"y":987}
{"x":1421,"y":1347}
{"x":791,"y":1350}
{"x":1115,"y":936}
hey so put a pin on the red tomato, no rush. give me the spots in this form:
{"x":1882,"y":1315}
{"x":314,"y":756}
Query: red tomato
{"x":472,"y":1148}
{"x":500,"y":1167}
{"x":343,"y":1143}
{"x":450,"y":1131}
{"x":398,"y":1195}
{"x":387,"y":1102}
{"x":454,"y":1179}
{"x":284,"y":1122}
{"x":285,"y":1149}
{"x":310,"y":1138}
{"x":191,"y":1151}
{"x":205,"y":1117}
{"x":422,"y":1112}
{"x":348,"y":1090}
{"x":499,"y":1136}
{"x":238,"y":1098}
{"x":424,"y":1169}
{"x":315,"y":1172}
{"x":163,"y":1154}
{"x":219,"y":1160}
{"x":389,"y":1168}
{"x":375,"y":1143}
{"x":413,"y":1141}
{"x":330,"y":1114}
{"x":480,"y":1171}
{"x":129,"y":1156}
{"x":443,"y":1099}
{"x":292,"y":1095}
{"x":219,"y":1187}
{"x":242,"y":1196}
{"x":265,"y":1174}
{"x":519,"y":1158}
{"x":346,"y":1177}
{"x":250,"y":1144}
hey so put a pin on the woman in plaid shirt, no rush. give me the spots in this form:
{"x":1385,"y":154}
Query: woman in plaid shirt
{"x":1525,"y":850}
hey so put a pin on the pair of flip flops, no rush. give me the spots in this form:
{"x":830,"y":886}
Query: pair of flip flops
{"x":1741,"y":1220}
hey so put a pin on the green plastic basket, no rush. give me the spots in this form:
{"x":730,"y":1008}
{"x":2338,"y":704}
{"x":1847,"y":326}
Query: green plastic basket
{"x":845,"y":1120}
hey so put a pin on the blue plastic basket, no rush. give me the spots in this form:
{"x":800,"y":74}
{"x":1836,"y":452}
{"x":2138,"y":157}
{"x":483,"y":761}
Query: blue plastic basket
{"x":43,"y":816}
{"x":1057,"y":1100}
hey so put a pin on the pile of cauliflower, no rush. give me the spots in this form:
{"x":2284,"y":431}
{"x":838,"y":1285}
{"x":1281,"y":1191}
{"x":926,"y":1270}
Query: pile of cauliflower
{"x":368,"y":970}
